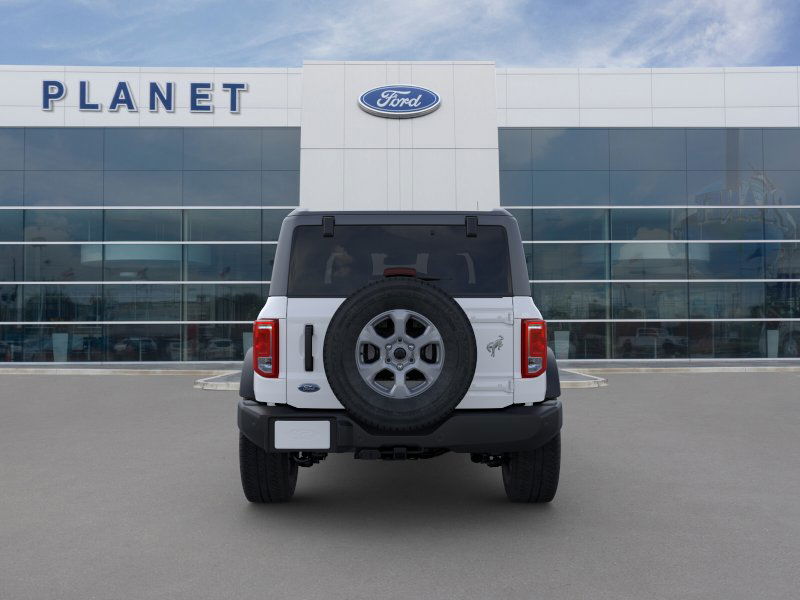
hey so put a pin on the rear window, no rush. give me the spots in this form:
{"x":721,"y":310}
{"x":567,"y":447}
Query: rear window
{"x":359,"y":254}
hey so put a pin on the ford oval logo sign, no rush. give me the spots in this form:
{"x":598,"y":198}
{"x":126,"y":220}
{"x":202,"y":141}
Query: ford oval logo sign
{"x":399,"y":101}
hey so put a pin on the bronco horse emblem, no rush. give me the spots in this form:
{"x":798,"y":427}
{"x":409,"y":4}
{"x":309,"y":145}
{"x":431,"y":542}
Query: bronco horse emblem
{"x":492,"y":347}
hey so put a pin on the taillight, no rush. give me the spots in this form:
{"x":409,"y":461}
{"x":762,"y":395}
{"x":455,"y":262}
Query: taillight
{"x":265,"y":347}
{"x":534,"y":347}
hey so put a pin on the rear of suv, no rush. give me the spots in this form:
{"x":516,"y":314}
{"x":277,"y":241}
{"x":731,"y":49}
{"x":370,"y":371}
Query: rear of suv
{"x":399,"y":335}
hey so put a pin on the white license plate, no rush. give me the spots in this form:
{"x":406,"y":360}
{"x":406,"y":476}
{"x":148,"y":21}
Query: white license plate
{"x":302,"y":435}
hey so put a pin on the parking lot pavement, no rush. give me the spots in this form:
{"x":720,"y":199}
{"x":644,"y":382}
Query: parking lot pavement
{"x":673,"y":486}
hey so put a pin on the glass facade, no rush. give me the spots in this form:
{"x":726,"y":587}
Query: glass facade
{"x":139,"y":244}
{"x":660,"y":243}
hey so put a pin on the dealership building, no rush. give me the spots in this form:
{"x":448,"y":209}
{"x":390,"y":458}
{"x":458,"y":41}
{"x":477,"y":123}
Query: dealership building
{"x":140,"y":207}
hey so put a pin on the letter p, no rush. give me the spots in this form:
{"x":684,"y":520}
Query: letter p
{"x":51,"y":91}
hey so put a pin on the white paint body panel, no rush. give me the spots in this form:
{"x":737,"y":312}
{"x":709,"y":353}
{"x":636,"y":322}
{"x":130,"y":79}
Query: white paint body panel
{"x":496,"y":384}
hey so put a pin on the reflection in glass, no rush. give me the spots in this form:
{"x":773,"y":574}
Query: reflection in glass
{"x":62,"y":343}
{"x":11,"y":263}
{"x":235,"y":262}
{"x":578,"y":340}
{"x":62,"y":303}
{"x":571,"y":300}
{"x":272,"y":221}
{"x":280,"y":147}
{"x":220,"y":342}
{"x":222,"y":225}
{"x":648,"y":224}
{"x":280,"y":188}
{"x":570,"y":149}
{"x":516,"y":188}
{"x":213,"y":188}
{"x":650,"y":339}
{"x":782,"y":260}
{"x":556,"y":188}
{"x":11,"y":188}
{"x":637,"y":300}
{"x":142,"y":225}
{"x":726,"y":224}
{"x":648,"y":149}
{"x":10,"y":226}
{"x":724,"y":149}
{"x":648,"y":187}
{"x":222,"y":148}
{"x":782,"y":148}
{"x":143,"y":148}
{"x":142,"y":188}
{"x":555,"y":225}
{"x":783,"y":340}
{"x":142,"y":302}
{"x":63,"y":225}
{"x":783,"y":299}
{"x":720,"y":339}
{"x":63,"y":148}
{"x":224,"y":302}
{"x":63,"y":188}
{"x":514,"y":149}
{"x":726,"y":261}
{"x":10,"y":305}
{"x":648,"y":261}
{"x":146,"y":262}
{"x":63,"y":262}
{"x":11,"y":338}
{"x":567,"y":261}
{"x":733,"y":188}
{"x":141,"y":342}
{"x":729,"y":300}
{"x":12,"y":148}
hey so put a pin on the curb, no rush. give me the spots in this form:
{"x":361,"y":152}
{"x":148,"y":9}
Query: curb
{"x":51,"y":371}
{"x":742,"y":369}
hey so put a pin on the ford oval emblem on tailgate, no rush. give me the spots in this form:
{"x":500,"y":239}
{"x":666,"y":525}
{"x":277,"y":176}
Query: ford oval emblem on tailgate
{"x":308,"y":387}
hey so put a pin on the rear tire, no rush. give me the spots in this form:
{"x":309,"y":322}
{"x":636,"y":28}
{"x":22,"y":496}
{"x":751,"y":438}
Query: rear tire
{"x":533,"y":476}
{"x":266,"y":476}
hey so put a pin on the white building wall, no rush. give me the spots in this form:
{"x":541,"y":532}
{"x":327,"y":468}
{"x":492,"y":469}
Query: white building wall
{"x":447,"y":159}
{"x":689,"y":97}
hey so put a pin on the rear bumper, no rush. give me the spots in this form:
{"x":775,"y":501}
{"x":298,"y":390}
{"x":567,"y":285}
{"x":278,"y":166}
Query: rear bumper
{"x":511,"y":429}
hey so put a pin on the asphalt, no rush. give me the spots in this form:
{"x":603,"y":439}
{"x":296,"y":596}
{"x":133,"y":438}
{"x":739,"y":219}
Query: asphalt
{"x":673,"y":486}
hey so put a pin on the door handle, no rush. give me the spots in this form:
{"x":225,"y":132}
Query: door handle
{"x":308,"y":354}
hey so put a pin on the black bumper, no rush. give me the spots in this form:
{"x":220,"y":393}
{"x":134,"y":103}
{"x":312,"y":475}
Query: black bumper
{"x":510,"y":429}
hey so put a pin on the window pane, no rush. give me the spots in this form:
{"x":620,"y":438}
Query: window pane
{"x":239,"y":262}
{"x":726,"y":224}
{"x":63,"y":225}
{"x":63,"y":262}
{"x":11,"y":263}
{"x":222,"y":148}
{"x":62,"y":303}
{"x":637,"y":300}
{"x":142,"y":225}
{"x":142,"y":302}
{"x":731,"y":188}
{"x":648,"y":149}
{"x":571,"y":224}
{"x":12,"y":147}
{"x":571,"y":187}
{"x":143,"y":188}
{"x":514,"y":148}
{"x":280,"y":147}
{"x":154,"y":262}
{"x":11,"y":188}
{"x":63,"y":148}
{"x":143,"y":342}
{"x":221,"y":188}
{"x":578,"y":340}
{"x":567,"y":261}
{"x":652,"y":339}
{"x":783,"y":299}
{"x":143,"y":148}
{"x":783,"y":187}
{"x":783,"y":261}
{"x":218,"y":342}
{"x":11,"y":341}
{"x":10,"y":226}
{"x":280,"y":188}
{"x":726,"y":300}
{"x":724,"y":149}
{"x":782,"y":148}
{"x":648,"y":187}
{"x":224,"y":302}
{"x":727,"y":340}
{"x":570,"y":149}
{"x":222,"y":225}
{"x":516,"y":188}
{"x":10,"y":309}
{"x":272,"y":221}
{"x":648,"y":261}
{"x":571,"y":300}
{"x":267,"y":261}
{"x":648,"y":224}
{"x":783,"y":340}
{"x":726,"y":261}
{"x":64,"y":188}
{"x":62,"y":343}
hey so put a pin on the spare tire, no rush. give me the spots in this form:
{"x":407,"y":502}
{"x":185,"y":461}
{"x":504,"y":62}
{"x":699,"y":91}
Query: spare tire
{"x":399,"y":354}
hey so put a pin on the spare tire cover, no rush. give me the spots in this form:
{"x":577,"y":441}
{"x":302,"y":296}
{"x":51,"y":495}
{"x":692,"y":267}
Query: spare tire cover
{"x":399,"y":354}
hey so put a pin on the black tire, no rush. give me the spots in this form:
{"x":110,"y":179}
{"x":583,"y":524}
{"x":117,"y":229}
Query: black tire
{"x":533,"y":476}
{"x":430,"y":407}
{"x":266,"y":476}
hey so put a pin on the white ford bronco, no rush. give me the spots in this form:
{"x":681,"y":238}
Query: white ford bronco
{"x":399,"y":335}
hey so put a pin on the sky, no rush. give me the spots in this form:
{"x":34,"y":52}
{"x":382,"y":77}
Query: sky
{"x":268,"y":33}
